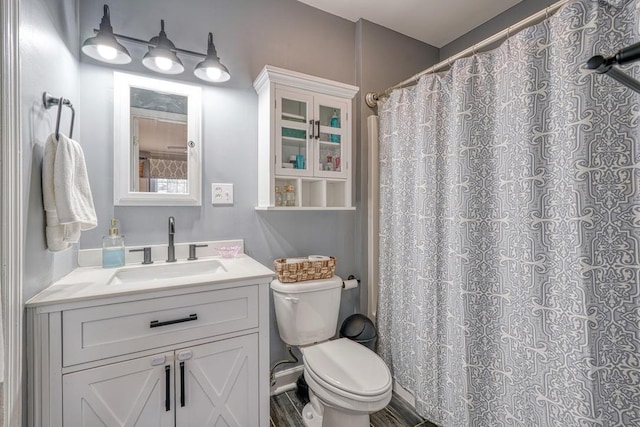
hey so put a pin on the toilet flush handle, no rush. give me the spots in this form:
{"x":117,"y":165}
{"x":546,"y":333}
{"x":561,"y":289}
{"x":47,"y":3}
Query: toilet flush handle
{"x":292,"y":299}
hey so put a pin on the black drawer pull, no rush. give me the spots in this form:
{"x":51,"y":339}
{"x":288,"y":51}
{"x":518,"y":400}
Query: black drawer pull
{"x":167,"y":391}
{"x":182,"y":399}
{"x":157,"y":323}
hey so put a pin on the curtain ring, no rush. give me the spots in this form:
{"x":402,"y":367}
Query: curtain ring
{"x":546,"y":13}
{"x":474,"y":49}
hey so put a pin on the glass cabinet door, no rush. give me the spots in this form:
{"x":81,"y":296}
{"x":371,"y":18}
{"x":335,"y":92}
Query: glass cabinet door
{"x":293,"y":140}
{"x":331,"y":135}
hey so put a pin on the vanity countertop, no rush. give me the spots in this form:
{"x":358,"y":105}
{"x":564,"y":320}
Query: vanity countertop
{"x":89,"y":283}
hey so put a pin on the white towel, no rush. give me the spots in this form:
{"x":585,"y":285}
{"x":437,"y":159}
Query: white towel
{"x":66,"y":194}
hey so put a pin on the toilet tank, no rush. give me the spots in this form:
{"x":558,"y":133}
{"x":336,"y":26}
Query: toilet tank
{"x":307,"y":312}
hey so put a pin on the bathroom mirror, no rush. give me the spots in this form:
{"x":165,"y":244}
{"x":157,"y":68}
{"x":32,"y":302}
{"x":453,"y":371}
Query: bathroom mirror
{"x":157,"y":142}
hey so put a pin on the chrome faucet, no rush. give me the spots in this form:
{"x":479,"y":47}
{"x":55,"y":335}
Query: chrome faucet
{"x":171,"y":250}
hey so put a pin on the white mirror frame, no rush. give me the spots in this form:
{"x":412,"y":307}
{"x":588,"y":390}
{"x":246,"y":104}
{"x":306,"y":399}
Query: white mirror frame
{"x":122,"y":194}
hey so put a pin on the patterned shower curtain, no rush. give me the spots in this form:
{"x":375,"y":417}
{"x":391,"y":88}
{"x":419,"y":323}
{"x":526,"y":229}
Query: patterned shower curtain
{"x":510,"y":231}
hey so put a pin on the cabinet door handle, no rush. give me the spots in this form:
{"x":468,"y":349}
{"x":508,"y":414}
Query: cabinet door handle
{"x":182,"y":384}
{"x":311,"y":131}
{"x":157,"y":323}
{"x":318,"y":134}
{"x":167,"y":390}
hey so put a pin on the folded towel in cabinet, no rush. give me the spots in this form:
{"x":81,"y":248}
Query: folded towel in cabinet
{"x":66,"y":193}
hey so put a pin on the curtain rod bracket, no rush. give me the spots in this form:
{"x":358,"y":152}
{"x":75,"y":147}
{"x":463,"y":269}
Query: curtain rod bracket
{"x":372,"y":98}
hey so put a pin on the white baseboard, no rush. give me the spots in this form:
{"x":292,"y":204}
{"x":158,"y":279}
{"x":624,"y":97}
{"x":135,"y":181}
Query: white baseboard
{"x":404,"y":394}
{"x":286,"y":380}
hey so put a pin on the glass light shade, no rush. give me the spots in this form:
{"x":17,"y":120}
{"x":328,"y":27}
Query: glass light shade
{"x":214,"y":73}
{"x":107,"y":52}
{"x":163,"y":63}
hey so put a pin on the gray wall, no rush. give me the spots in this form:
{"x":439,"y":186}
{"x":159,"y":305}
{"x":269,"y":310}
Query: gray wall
{"x":511,"y":16}
{"x":49,"y":62}
{"x":383,"y":58}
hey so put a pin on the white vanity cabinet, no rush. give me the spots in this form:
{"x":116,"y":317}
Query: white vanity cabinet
{"x":304,"y":141}
{"x":192,"y":356}
{"x":206,"y":385}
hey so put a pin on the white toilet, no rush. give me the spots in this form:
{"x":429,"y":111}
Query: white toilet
{"x":347,"y":381}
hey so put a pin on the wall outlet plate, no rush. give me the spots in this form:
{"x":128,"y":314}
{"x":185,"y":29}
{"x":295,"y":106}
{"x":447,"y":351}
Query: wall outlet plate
{"x":221,"y":194}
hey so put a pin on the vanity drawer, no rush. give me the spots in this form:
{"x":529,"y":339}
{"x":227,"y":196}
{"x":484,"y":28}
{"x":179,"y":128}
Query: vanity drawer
{"x":95,"y":333}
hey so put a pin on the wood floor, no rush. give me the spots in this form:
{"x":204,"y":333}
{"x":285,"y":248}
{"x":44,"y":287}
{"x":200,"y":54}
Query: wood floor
{"x":287,"y":407}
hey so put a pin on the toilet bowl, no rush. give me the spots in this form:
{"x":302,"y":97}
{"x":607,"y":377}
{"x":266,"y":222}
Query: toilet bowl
{"x":347,"y":382}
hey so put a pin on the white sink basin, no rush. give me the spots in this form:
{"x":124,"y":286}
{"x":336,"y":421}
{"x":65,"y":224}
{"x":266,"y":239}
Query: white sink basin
{"x":169,"y":271}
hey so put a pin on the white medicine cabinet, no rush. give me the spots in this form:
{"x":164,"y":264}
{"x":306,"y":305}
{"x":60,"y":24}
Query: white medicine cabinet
{"x":157,"y":142}
{"x":304,"y":153}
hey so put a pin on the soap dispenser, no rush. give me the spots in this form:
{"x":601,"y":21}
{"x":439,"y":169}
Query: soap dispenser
{"x":113,"y":247}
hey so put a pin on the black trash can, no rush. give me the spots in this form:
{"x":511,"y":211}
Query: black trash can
{"x":360,"y":329}
{"x":302,"y":389}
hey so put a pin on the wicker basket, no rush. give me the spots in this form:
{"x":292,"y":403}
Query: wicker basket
{"x":306,"y":269}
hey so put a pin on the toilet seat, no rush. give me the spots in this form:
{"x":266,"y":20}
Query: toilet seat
{"x":348,"y":369}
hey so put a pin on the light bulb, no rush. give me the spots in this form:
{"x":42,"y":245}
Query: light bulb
{"x":107,"y":52}
{"x":214,"y":73}
{"x":163,"y":63}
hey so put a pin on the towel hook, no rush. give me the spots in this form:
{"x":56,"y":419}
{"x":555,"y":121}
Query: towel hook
{"x":49,"y":101}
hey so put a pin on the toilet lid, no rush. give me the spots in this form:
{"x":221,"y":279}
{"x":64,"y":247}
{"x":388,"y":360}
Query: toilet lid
{"x":348,"y":366}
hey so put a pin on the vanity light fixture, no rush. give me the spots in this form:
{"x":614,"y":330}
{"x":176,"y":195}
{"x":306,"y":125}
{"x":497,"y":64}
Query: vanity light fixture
{"x":162,"y":55}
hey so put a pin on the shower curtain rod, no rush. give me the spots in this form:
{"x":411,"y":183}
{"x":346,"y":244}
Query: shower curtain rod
{"x":371,"y":98}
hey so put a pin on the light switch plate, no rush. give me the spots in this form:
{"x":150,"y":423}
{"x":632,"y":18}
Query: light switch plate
{"x":221,"y":194}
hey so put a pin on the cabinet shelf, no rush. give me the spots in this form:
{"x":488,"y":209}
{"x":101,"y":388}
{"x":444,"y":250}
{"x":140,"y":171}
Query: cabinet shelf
{"x":295,"y":125}
{"x":293,"y":141}
{"x":294,"y":117}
